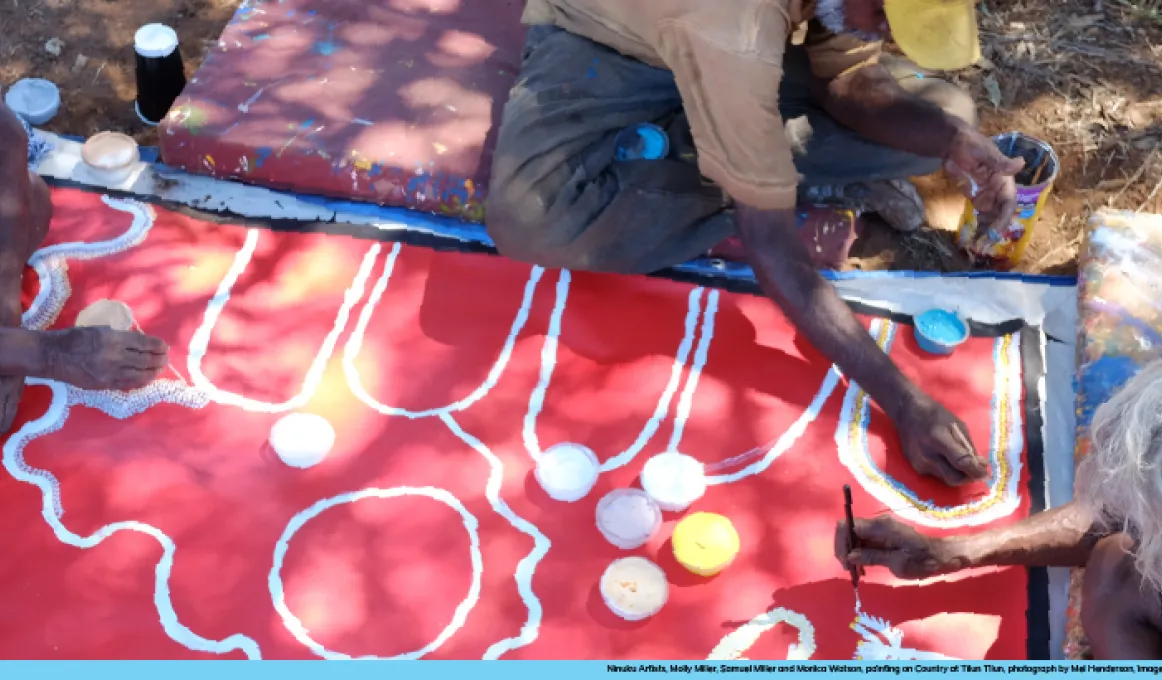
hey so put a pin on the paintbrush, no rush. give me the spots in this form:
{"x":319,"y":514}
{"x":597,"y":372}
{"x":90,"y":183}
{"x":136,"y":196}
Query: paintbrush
{"x":852,"y":539}
{"x":1040,"y":168}
{"x":137,"y":327}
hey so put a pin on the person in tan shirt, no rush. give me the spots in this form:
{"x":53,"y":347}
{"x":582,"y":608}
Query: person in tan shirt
{"x":758,"y":101}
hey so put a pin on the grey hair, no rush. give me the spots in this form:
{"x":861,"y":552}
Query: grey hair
{"x":1119,"y":483}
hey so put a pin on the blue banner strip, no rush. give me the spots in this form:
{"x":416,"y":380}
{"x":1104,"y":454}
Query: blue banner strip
{"x":560,"y":670}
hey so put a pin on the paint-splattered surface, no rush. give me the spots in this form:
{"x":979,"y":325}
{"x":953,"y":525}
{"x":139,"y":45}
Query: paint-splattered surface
{"x":1120,"y":312}
{"x":389,"y":102}
{"x":445,"y":375}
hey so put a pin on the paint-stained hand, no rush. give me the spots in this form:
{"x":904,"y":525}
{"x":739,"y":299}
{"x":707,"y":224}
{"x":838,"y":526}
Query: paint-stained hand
{"x":100,"y":358}
{"x":936,"y":443}
{"x":986,"y":175}
{"x":884,"y":542}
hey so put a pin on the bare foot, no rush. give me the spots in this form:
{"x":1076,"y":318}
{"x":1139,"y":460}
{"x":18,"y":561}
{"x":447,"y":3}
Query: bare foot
{"x":100,"y":358}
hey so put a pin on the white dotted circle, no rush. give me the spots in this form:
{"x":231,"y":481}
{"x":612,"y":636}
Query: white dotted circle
{"x":296,"y":627}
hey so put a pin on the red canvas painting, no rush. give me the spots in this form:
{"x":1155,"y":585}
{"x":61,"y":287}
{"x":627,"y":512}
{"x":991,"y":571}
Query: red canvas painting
{"x":161,"y":524}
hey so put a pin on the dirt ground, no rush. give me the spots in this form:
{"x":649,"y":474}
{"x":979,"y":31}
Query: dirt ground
{"x":1083,"y":75}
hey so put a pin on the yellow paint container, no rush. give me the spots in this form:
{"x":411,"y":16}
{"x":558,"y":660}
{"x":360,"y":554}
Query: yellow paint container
{"x":1002,"y":247}
{"x":705,"y":543}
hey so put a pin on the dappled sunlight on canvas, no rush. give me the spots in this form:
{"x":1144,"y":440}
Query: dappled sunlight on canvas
{"x":424,"y":530}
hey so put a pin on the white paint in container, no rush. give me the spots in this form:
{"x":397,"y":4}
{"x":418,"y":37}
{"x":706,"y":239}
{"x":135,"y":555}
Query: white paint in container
{"x":674,"y":480}
{"x":302,"y":440}
{"x":36,"y":100}
{"x":634,"y":588}
{"x":628,"y":518}
{"x":110,"y":157}
{"x":567,"y":471}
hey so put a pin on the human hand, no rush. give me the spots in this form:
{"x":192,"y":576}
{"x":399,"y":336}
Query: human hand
{"x":986,"y":175}
{"x":936,"y":443}
{"x":887,"y":543}
{"x":100,"y":358}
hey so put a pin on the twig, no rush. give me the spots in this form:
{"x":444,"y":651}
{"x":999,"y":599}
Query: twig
{"x":98,"y":73}
{"x":1153,"y":193}
{"x":1072,"y":242}
{"x":1103,"y":55}
{"x":1135,"y":177}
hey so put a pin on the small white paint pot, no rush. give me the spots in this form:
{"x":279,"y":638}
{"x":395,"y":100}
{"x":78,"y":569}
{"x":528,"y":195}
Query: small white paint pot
{"x":567,"y":471}
{"x":634,"y":588}
{"x":302,"y":440}
{"x":111,"y":156}
{"x":674,"y":480}
{"x":628,"y":518}
{"x":36,"y":100}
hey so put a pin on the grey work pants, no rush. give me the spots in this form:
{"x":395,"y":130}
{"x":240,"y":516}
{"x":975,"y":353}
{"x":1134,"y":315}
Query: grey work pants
{"x":559,"y":198}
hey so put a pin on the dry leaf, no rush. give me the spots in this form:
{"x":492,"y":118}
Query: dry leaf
{"x":993,"y":89}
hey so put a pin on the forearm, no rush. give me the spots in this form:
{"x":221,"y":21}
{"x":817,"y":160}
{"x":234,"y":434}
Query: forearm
{"x":22,"y":352}
{"x":1061,"y":537}
{"x":14,"y":191}
{"x":783,"y":268}
{"x":871,"y":102}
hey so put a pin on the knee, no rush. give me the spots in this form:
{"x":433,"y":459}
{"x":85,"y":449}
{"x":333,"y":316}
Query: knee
{"x":1110,"y":575}
{"x":514,"y":222}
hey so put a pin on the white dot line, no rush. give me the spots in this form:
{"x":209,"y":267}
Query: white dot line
{"x":901,"y":500}
{"x":549,"y":361}
{"x":528,"y":565}
{"x":54,"y":419}
{"x":200,"y":342}
{"x":355,"y":344}
{"x":51,"y":266}
{"x":686,"y":401}
{"x":296,"y":627}
{"x":740,"y":640}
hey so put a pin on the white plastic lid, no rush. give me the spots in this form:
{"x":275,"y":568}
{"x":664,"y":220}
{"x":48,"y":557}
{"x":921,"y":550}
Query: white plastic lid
{"x":155,"y":40}
{"x":302,"y":440}
{"x":33,"y":97}
{"x":567,"y":471}
{"x":674,"y":480}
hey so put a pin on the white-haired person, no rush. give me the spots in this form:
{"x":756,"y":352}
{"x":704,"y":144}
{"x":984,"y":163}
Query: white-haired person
{"x":90,"y":358}
{"x":1113,"y":528}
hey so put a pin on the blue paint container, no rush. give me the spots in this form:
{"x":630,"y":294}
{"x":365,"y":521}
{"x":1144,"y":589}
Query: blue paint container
{"x":644,"y":141}
{"x":940,"y":331}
